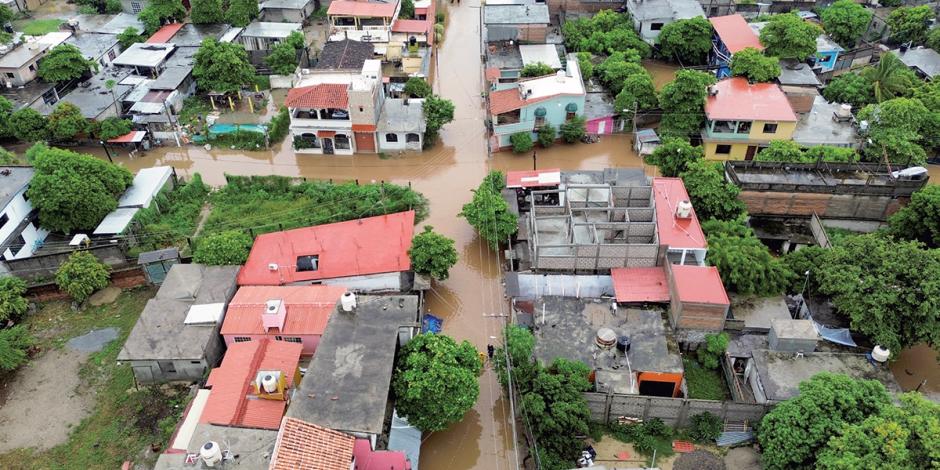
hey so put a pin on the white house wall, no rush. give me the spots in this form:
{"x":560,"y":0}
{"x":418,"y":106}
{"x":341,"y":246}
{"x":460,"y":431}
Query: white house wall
{"x":17,"y":210}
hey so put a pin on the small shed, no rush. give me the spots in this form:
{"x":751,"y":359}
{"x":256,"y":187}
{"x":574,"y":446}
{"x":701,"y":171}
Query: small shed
{"x":792,"y":335}
{"x":698,"y":298}
{"x":645,"y":141}
{"x":157,"y":263}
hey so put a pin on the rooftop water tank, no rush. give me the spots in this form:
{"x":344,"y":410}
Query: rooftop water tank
{"x":269,"y":383}
{"x":684,"y":210}
{"x":880,"y":354}
{"x":348,"y":301}
{"x":210,"y":453}
{"x":606,"y":338}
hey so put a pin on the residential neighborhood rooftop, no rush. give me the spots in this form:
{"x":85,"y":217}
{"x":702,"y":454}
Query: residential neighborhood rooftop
{"x":820,"y":126}
{"x":171,"y":78}
{"x":644,"y":10}
{"x":757,"y":313}
{"x":302,"y":445}
{"x":798,"y":74}
{"x":147,"y":183}
{"x":534,"y":90}
{"x":286,"y":4}
{"x":263,"y":29}
{"x":145,"y":54}
{"x":675,"y":231}
{"x":535,"y":13}
{"x":736,"y":99}
{"x":402,"y":115}
{"x":22,"y":54}
{"x":365,"y":9}
{"x":192,"y":35}
{"x":411,"y":26}
{"x":115,"y":24}
{"x":825,"y":177}
{"x":735,"y":33}
{"x":781,"y":372}
{"x":93,"y":45}
{"x":540,"y":53}
{"x":322,"y":96}
{"x":344,"y":55}
{"x":699,"y":284}
{"x":94,"y":99}
{"x":347,"y":385}
{"x":164,"y":34}
{"x":14,"y":179}
{"x":925,"y":60}
{"x":308,"y":309}
{"x":254,"y":447}
{"x":637,"y":285}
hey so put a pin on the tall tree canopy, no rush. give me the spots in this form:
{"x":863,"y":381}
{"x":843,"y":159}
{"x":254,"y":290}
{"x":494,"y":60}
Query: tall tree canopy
{"x":283,"y":59}
{"x":791,"y":152}
{"x":683,"y":103}
{"x":755,"y":66}
{"x":920,"y":219}
{"x":74,"y":191}
{"x":787,"y":36}
{"x":129,"y":37}
{"x":897,"y":128}
{"x":890,"y":78}
{"x":744,"y":263}
{"x":845,"y":21}
{"x":910,"y":24}
{"x":159,"y":12}
{"x":222,"y":67}
{"x":432,"y":253}
{"x":673,"y":155}
{"x":28,"y":125}
{"x":6,"y":114}
{"x":489,"y":213}
{"x":206,"y":12}
{"x":64,"y":62}
{"x":638,"y":93}
{"x":850,"y":88}
{"x":435,"y":381}
{"x":603,"y":33}
{"x":711,"y":195}
{"x":66,"y":122}
{"x":687,"y":41}
{"x":437,"y":112}
{"x":240,"y":12}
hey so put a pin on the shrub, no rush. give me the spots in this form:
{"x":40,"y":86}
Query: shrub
{"x":225,"y":248}
{"x":573,"y":130}
{"x":241,"y":140}
{"x":417,"y":87}
{"x":82,"y":275}
{"x":715,"y":346}
{"x":439,"y":17}
{"x":547,"y":135}
{"x":12,"y":303}
{"x":280,"y":125}
{"x":705,"y":427}
{"x":14,"y":347}
{"x":537,"y":69}
{"x":644,"y":443}
{"x":432,"y":253}
{"x":521,"y":141}
{"x":657,"y":428}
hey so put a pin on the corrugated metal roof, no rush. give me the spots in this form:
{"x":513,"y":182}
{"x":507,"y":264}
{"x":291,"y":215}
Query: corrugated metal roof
{"x":699,"y":284}
{"x":735,"y":33}
{"x":739,"y":100}
{"x":164,"y":34}
{"x":673,"y":231}
{"x":640,"y":284}
{"x":308,"y":309}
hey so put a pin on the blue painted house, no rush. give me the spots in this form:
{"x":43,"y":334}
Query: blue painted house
{"x":827,"y":50}
{"x":528,"y":104}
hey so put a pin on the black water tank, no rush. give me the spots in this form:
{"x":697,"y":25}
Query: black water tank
{"x":623,"y":344}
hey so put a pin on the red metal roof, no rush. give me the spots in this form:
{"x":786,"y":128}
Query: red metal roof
{"x":640,"y":284}
{"x":306,"y":446}
{"x":130,"y":137}
{"x":373,"y":245}
{"x":368,"y":459}
{"x":673,"y":231}
{"x":324,"y":95}
{"x":410,"y":26}
{"x":308,"y":309}
{"x":492,"y":74}
{"x":533,"y":178}
{"x":735,"y":33}
{"x":699,"y":284}
{"x":164,"y":34}
{"x":229,"y":403}
{"x":738,"y":99}
{"x":362,"y":9}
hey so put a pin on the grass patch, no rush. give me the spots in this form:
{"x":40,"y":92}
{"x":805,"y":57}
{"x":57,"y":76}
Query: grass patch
{"x":838,"y":236}
{"x":40,"y":27}
{"x":704,"y":384}
{"x":173,"y":217}
{"x":263,"y":82}
{"x":124,"y":420}
{"x":647,"y":439}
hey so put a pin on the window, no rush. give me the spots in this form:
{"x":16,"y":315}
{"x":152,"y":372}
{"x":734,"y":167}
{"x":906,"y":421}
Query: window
{"x":10,"y":75}
{"x":391,"y":137}
{"x":111,"y":55}
{"x":242,"y":339}
{"x":656,"y":27}
{"x":136,"y":7}
{"x":744,"y":127}
{"x":539,"y":121}
{"x":341,"y":141}
{"x":713,"y":11}
{"x":308,"y":263}
{"x":723,"y":149}
{"x":195,"y":362}
{"x":18,"y":244}
{"x":3,"y":220}
{"x":167,"y":367}
{"x":770,"y":128}
{"x":412,"y":137}
{"x":291,"y":339}
{"x":32,"y":67}
{"x":278,"y":338}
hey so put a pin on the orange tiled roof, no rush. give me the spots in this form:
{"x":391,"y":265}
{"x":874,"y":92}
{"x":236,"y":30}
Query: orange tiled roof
{"x":324,"y":95}
{"x":308,"y":309}
{"x":305,"y":446}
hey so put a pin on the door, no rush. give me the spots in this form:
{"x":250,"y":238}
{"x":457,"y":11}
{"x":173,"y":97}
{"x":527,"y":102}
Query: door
{"x":601,"y":127}
{"x":365,"y":142}
{"x":751,"y":151}
{"x":328,"y":146}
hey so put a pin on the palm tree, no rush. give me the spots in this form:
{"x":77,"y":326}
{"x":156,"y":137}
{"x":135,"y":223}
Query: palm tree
{"x":890,"y":78}
{"x":110,"y":86}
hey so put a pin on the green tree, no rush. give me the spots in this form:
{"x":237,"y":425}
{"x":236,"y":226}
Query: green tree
{"x":12,"y":303}
{"x":283,"y":59}
{"x":222,"y":67}
{"x":73,"y":191}
{"x":435,"y":381}
{"x":14,"y":347}
{"x":781,"y":151}
{"x":828,"y":153}
{"x":432,"y":254}
{"x":489,"y":213}
{"x":706,"y":427}
{"x":920,"y":219}
{"x":6,"y":115}
{"x":845,"y":21}
{"x":81,"y":275}
{"x":637,"y":94}
{"x":573,"y":130}
{"x":114,"y":127}
{"x":890,"y":78}
{"x":603,"y":33}
{"x":744,"y":263}
{"x":855,"y":275}
{"x":614,"y":70}
{"x":206,"y":12}
{"x":28,"y":125}
{"x":518,"y":346}
{"x":586,"y":64}
{"x":794,"y":431}
{"x":66,"y":122}
{"x":687,"y":41}
{"x":787,"y":36}
{"x":537,"y":69}
{"x":808,"y":258}
{"x":683,"y":103}
{"x":755,"y":66}
{"x":241,"y":12}
{"x":711,"y":195}
{"x":710,"y":354}
{"x":417,"y":87}
{"x":64,"y":62}
{"x":230,"y":247}
{"x":896,"y":129}
{"x":6,"y":15}
{"x":556,"y":408}
{"x":129,"y":37}
{"x":437,"y":112}
{"x":933,"y":39}
{"x":521,"y":142}
{"x":547,"y":135}
{"x":910,"y":24}
{"x":673,"y":155}
{"x":407,"y":10}
{"x":159,"y":12}
{"x":850,"y":88}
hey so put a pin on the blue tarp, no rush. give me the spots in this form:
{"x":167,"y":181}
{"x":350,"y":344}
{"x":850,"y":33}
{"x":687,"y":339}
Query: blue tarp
{"x":431,"y":324}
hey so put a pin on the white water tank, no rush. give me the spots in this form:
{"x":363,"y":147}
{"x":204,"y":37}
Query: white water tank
{"x":684,"y":210}
{"x":348,"y":301}
{"x":272,"y":266}
{"x":845,"y":111}
{"x":880,"y":354}
{"x":269,"y":383}
{"x":210,"y":453}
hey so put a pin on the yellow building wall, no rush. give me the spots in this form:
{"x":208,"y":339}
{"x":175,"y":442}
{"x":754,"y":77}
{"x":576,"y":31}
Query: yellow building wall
{"x":784,"y":131}
{"x":756,"y":137}
{"x":738,"y":151}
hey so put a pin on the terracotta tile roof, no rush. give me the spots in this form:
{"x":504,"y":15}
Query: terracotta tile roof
{"x":164,"y":34}
{"x":503,"y":101}
{"x":410,"y":26}
{"x":735,"y":33}
{"x":362,"y":9}
{"x":673,"y":231}
{"x":308,"y":309}
{"x":305,"y":446}
{"x":324,"y":95}
{"x":492,"y":75}
{"x":738,"y":99}
{"x":229,"y":403}
{"x":373,"y":245}
{"x":640,"y":284}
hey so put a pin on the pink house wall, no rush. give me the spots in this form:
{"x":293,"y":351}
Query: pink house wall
{"x":594,"y":125}
{"x":310,"y":342}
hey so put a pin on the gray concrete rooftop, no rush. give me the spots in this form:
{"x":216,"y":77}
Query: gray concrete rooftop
{"x":646,"y":10}
{"x":504,"y":56}
{"x":347,"y":385}
{"x":192,"y":35}
{"x":818,"y":127}
{"x":11,"y":184}
{"x":400,"y":117}
{"x":797,"y":74}
{"x":95,"y":98}
{"x":252,"y":446}
{"x":757,"y":313}
{"x":926,"y":61}
{"x":160,"y":333}
{"x":781,"y":373}
{"x":93,"y":45}
{"x":515,"y":14}
{"x":115,"y":24}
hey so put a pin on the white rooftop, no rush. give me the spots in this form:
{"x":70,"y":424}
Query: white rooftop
{"x":144,"y":54}
{"x":544,"y":53}
{"x":115,"y":222}
{"x":562,"y":83}
{"x":271,"y":30}
{"x":147,"y":184}
{"x":205,"y":314}
{"x":54,"y":38}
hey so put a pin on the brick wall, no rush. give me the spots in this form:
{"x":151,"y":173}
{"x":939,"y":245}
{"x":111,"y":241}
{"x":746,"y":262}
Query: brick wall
{"x":828,"y":206}
{"x":124,"y":278}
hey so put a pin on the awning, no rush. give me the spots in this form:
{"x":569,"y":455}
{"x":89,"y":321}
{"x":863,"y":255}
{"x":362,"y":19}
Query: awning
{"x":541,"y":112}
{"x":129,"y":138}
{"x":322,"y":134}
{"x":572,"y":107}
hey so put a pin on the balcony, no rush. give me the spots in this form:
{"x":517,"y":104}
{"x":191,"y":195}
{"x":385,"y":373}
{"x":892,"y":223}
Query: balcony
{"x":368,"y":35}
{"x":734,"y":130}
{"x":321,"y":118}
